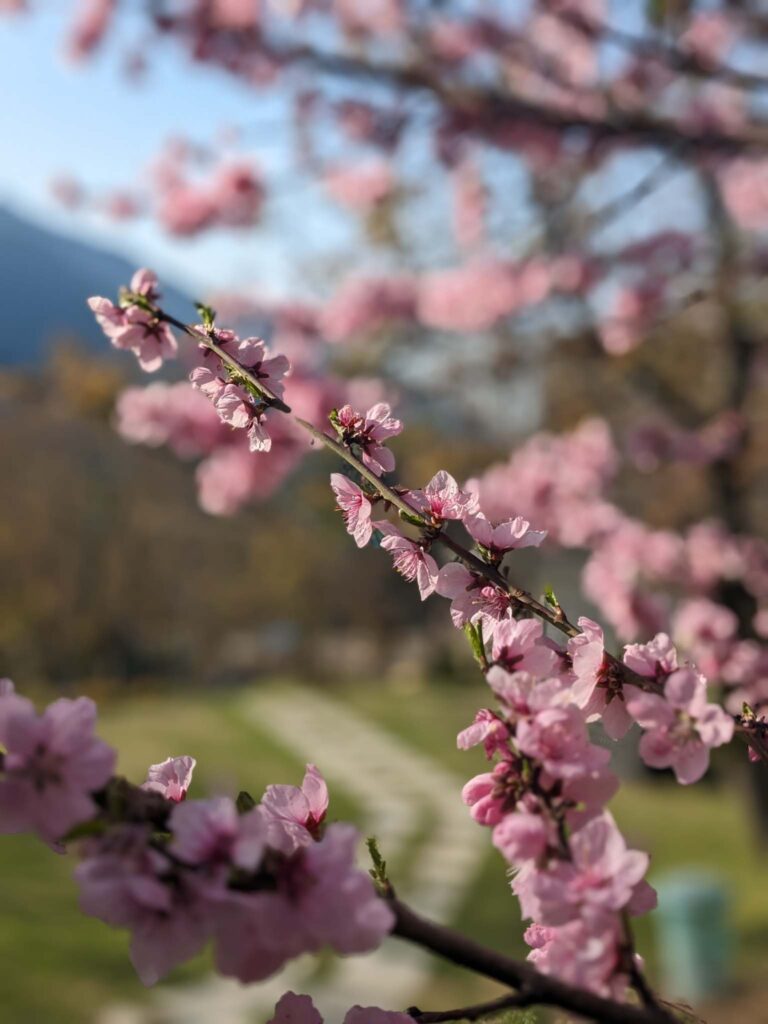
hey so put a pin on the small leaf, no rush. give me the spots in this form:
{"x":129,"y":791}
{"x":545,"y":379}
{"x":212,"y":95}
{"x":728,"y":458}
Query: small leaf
{"x":475,"y":636}
{"x":379,"y":870}
{"x":206,"y":313}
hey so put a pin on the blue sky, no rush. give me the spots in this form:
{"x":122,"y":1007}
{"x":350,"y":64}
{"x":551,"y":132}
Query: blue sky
{"x":88,"y":120}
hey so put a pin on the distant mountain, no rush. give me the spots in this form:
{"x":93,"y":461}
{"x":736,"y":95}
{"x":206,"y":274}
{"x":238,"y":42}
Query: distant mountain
{"x":45,"y":279}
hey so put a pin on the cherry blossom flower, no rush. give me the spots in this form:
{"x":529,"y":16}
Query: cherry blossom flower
{"x":368,"y":431}
{"x":557,"y":738}
{"x":681,"y":727}
{"x":211,"y":832}
{"x":411,"y":559}
{"x":51,"y":766}
{"x":507,"y":536}
{"x":519,"y":645}
{"x":233,"y":402}
{"x":586,"y":953}
{"x":493,"y":794}
{"x":468,"y":298}
{"x":323,"y":900}
{"x":522,"y":693}
{"x":601,"y":873}
{"x":472,"y":597}
{"x":172,"y":414}
{"x":171,"y":778}
{"x":151,"y":340}
{"x":598,"y":687}
{"x":136,"y":328}
{"x":127,"y":883}
{"x":522,"y":836}
{"x":293,"y":1009}
{"x":487,"y":729}
{"x":442,"y":498}
{"x":300,"y":812}
{"x":355,"y":507}
{"x":657,"y":659}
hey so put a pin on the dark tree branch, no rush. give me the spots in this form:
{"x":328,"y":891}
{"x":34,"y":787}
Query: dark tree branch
{"x":472,"y":1013}
{"x":535,"y":987}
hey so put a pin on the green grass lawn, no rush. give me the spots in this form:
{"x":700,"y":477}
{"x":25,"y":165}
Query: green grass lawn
{"x":60,"y":967}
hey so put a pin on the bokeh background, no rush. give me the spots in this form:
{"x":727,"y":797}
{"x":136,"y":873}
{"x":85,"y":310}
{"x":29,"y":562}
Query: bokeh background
{"x":264,"y":639}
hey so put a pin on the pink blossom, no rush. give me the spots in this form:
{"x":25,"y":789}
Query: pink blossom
{"x":598,"y":686}
{"x":134,"y":328}
{"x":586,"y":953}
{"x":522,"y":836}
{"x":321,"y":900}
{"x":362,"y":305}
{"x":629,"y":317}
{"x":681,"y":726}
{"x":557,"y":738}
{"x":487,"y":729}
{"x":171,"y":778}
{"x":710,"y":35}
{"x":493,"y":794}
{"x":211,"y":832}
{"x":293,"y":1009}
{"x":368,"y":431}
{"x":355,"y":507}
{"x":128,"y":884}
{"x":362,"y":187}
{"x":172,"y":414}
{"x":707,"y":630}
{"x":472,"y":598}
{"x":656,"y":659}
{"x":442,"y":498}
{"x":601,"y":874}
{"x":507,"y":536}
{"x":469,"y":298}
{"x":235,"y":15}
{"x":186,"y":210}
{"x":300,"y":812}
{"x":744,"y":184}
{"x":411,"y":559}
{"x":230,"y":477}
{"x":51,"y":766}
{"x":234,"y":402}
{"x":557,"y":481}
{"x":523,"y":694}
{"x":519,"y":645}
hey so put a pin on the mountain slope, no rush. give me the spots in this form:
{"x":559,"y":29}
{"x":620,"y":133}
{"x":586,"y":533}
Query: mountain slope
{"x":45,"y":279}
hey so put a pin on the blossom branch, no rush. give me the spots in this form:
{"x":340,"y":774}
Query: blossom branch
{"x":472,"y":1013}
{"x":534,"y":987}
{"x":753,"y":730}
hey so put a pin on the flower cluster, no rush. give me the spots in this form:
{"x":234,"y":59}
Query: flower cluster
{"x":135,"y":325}
{"x":232,"y":395}
{"x":265,"y":882}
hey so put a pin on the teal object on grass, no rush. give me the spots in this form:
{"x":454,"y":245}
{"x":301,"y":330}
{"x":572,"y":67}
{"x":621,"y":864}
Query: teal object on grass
{"x":693,"y":934}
